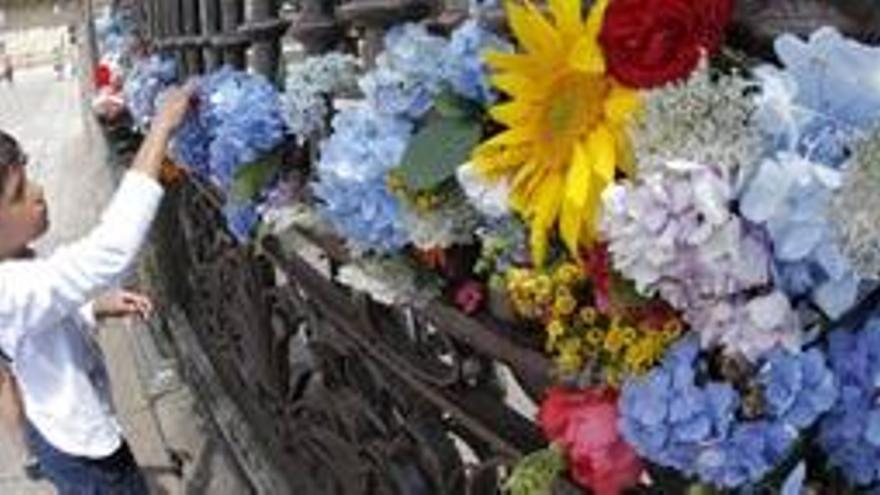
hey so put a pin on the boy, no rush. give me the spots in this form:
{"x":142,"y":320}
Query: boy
{"x":45,"y":331}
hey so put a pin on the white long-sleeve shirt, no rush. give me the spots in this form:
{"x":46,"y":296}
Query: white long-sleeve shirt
{"x":44,"y":329}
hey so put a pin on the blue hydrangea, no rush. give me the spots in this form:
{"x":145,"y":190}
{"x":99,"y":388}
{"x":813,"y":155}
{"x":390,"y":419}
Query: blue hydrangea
{"x":190,"y":145}
{"x":798,"y":387}
{"x":417,"y":65}
{"x":309,"y":85}
{"x":409,"y":72}
{"x":238,"y":119}
{"x":469,"y":75}
{"x":241,"y":218}
{"x":148,"y":79}
{"x":351,"y":171}
{"x":827,"y":92}
{"x":850,"y":432}
{"x":696,"y":429}
{"x":789,"y":196}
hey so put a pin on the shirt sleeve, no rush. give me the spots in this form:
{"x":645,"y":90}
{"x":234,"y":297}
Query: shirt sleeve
{"x":39,"y":292}
{"x":86,"y":316}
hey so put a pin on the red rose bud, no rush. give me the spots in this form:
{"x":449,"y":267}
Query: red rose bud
{"x":470,"y":296}
{"x":584,"y":423}
{"x":648,"y":43}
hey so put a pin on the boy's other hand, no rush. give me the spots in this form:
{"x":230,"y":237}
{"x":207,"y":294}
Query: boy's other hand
{"x":122,"y":303}
{"x":175,"y":104}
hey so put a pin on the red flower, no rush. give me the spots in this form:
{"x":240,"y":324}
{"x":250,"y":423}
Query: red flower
{"x":103,"y":75}
{"x":584,"y":422}
{"x":596,"y":266}
{"x":469,"y":297}
{"x":649,"y":43}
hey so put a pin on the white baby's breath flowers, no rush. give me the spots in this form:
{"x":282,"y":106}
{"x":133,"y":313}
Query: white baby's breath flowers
{"x":706,"y":119}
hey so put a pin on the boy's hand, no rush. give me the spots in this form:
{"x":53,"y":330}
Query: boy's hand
{"x":175,"y":104}
{"x":121,"y":303}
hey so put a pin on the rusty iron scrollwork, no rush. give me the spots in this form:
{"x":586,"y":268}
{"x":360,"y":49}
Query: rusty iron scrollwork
{"x":352,"y":397}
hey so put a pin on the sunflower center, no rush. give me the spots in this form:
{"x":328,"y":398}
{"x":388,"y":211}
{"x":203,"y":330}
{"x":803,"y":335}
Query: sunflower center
{"x":574,"y":105}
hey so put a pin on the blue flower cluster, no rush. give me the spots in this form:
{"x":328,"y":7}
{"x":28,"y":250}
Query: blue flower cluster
{"x":149,"y":77}
{"x":116,"y":32}
{"x":369,"y":140}
{"x":417,"y":65}
{"x":239,"y":118}
{"x":698,"y":429}
{"x":468,"y":75}
{"x":351,"y":172}
{"x":850,"y":432}
{"x":789,"y":196}
{"x":827,"y":93}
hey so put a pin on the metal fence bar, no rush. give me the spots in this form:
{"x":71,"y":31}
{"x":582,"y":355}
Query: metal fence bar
{"x":266,"y":47}
{"x":191,"y":25}
{"x":234,"y":47}
{"x":209,"y":14}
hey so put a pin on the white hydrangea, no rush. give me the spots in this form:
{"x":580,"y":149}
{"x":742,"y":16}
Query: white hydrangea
{"x":855,"y":208}
{"x":705,"y":119}
{"x":388,"y":281}
{"x":309,"y":86}
{"x":453,"y":222}
{"x":750,"y":326}
{"x":673,"y":233}
{"x":489,"y":197}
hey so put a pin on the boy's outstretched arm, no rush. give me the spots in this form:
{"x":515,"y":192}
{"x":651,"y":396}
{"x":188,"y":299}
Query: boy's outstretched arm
{"x":151,"y":154}
{"x":34,"y":294}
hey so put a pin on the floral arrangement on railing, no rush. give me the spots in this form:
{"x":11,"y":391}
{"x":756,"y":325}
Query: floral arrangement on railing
{"x":119,"y":45}
{"x":681,"y":237}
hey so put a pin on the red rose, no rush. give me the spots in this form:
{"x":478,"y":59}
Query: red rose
{"x":649,"y":43}
{"x":584,"y":422}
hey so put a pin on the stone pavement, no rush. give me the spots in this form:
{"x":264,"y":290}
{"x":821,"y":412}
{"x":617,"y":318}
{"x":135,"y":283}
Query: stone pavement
{"x":179,"y":448}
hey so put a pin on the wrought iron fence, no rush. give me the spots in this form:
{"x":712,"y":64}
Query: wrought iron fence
{"x":344,"y":395}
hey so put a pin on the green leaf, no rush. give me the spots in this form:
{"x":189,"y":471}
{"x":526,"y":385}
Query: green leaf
{"x":436,"y":151}
{"x":450,"y":105}
{"x":535,"y":473}
{"x":250,"y":179}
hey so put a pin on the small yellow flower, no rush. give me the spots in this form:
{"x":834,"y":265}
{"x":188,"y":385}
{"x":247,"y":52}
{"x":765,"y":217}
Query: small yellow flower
{"x":565,"y":303}
{"x":569,"y":358}
{"x":614,"y":340}
{"x":589,"y":315}
{"x":543,"y":289}
{"x":567,"y":274}
{"x":593,"y":338}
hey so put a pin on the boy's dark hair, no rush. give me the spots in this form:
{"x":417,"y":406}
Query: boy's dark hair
{"x":11,"y":155}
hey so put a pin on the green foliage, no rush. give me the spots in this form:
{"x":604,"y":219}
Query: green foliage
{"x":252,"y":178}
{"x":536,"y":473}
{"x":441,"y":145}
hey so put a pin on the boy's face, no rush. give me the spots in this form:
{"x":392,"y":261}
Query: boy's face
{"x":24,"y":215}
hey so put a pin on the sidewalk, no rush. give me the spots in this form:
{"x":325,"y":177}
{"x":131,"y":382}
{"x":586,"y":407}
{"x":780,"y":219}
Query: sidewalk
{"x":179,"y":449}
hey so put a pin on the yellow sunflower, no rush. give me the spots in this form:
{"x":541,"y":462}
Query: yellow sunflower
{"x":565,"y":120}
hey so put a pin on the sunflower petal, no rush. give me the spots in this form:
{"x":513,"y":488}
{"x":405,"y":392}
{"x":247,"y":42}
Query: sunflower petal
{"x":626,"y":157}
{"x":513,"y":113}
{"x":520,"y":85}
{"x":586,"y":56}
{"x":577,"y":192}
{"x":532,"y":29}
{"x":622,"y":104}
{"x":595,"y":18}
{"x":513,"y":62}
{"x":544,"y":209}
{"x":567,"y":14}
{"x":602,"y":146}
